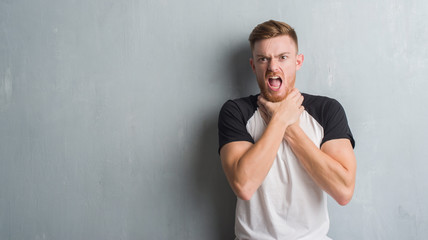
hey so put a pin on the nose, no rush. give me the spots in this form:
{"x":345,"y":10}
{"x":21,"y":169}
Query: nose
{"x":273,"y":65}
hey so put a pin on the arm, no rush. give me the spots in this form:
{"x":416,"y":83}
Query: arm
{"x":245,"y":164}
{"x":333,"y":167}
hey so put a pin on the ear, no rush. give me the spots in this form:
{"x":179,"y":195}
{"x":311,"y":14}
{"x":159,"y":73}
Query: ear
{"x":252,"y":65}
{"x":299,"y":61}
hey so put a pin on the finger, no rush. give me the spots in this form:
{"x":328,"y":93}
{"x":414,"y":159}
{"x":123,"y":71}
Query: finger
{"x":259,"y":103}
{"x":294,"y":93}
{"x":262,"y":101}
{"x":263,"y":112}
{"x":263,"y":109}
{"x":300,"y":100}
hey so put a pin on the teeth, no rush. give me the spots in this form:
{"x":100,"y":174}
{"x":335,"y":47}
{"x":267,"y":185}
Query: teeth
{"x":275,"y":77}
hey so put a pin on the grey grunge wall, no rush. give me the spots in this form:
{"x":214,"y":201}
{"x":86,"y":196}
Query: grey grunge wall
{"x":108,"y":113}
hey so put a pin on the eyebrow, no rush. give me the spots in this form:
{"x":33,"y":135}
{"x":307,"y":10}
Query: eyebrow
{"x":281,"y":54}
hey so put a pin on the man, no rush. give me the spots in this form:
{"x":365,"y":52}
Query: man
{"x":282,"y":150}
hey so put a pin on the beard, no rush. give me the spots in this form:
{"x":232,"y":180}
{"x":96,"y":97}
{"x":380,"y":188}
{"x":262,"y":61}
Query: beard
{"x":268,"y":96}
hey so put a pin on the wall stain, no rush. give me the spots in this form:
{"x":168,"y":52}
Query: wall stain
{"x":5,"y":90}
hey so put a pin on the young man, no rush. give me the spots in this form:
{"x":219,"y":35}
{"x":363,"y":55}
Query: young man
{"x":282,"y":150}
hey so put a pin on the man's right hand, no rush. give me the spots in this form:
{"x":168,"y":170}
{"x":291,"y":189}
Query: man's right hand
{"x":287,"y":111}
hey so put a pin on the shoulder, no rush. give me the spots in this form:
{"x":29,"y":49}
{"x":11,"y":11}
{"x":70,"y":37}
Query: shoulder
{"x":233,"y":119}
{"x":321,"y":107}
{"x":329,"y":113}
{"x":316,"y":101}
{"x":245,"y":106}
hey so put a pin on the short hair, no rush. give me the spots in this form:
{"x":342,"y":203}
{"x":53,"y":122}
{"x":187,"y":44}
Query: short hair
{"x":270,"y":29}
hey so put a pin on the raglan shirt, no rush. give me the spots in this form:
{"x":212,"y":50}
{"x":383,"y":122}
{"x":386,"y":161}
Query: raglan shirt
{"x":288,"y":204}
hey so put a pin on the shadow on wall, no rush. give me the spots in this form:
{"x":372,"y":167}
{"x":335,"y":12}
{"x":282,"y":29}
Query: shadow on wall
{"x":210,"y":179}
{"x":242,"y":81}
{"x":212,"y":183}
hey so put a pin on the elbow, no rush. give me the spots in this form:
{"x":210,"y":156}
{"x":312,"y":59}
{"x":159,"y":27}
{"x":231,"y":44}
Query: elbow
{"x":345,"y":192}
{"x":345,"y":196}
{"x":244,"y":196}
{"x":243,"y":192}
{"x":343,"y":201}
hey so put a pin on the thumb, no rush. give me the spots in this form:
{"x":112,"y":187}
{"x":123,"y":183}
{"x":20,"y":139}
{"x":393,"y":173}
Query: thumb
{"x":262,"y":101}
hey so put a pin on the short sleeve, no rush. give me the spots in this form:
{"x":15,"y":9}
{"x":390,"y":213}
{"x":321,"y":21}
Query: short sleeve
{"x":336,"y":124}
{"x":232,"y":125}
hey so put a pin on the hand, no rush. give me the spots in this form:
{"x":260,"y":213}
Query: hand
{"x":292,"y":129}
{"x":287,"y":111}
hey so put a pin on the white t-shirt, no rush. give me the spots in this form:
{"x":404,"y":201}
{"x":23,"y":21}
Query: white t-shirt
{"x":288,"y":204}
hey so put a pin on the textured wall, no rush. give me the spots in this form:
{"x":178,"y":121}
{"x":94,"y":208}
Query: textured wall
{"x":108,"y":113}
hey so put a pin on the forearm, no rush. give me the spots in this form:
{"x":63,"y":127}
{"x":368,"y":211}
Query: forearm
{"x":332,"y":176}
{"x":252,"y":168}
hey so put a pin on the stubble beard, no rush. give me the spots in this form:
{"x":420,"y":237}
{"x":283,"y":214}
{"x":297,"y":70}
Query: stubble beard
{"x":266,"y":94}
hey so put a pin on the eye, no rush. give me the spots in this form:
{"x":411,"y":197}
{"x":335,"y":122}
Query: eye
{"x":263,"y":59}
{"x":283,"y":57}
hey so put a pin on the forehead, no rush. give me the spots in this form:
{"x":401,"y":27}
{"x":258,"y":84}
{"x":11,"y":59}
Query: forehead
{"x":275,"y":45}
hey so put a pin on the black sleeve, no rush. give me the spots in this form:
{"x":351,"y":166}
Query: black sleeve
{"x":232,"y":125}
{"x":336,"y":124}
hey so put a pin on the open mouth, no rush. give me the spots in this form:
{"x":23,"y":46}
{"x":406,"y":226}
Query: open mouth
{"x":274,"y":83}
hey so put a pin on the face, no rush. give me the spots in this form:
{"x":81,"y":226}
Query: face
{"x":275,"y":62}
